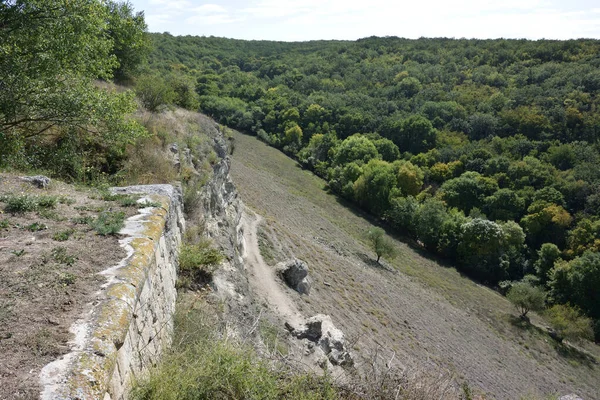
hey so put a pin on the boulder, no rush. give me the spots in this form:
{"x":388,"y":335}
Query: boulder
{"x":295,"y":274}
{"x":40,"y":181}
{"x":321,"y":331}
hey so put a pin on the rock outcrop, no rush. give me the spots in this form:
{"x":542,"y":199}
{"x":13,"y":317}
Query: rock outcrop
{"x":321,"y":331}
{"x":295,"y":273}
{"x":39,"y":181}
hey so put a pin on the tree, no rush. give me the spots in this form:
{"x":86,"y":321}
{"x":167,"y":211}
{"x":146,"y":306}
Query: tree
{"x":380,"y":244}
{"x":468,"y":191}
{"x":481,"y":250}
{"x":409,"y":177}
{"x":568,"y":323}
{"x":131,"y":44}
{"x":372,"y":189}
{"x":526,"y":297}
{"x":52,"y":53}
{"x":548,"y":255}
{"x":355,"y":148}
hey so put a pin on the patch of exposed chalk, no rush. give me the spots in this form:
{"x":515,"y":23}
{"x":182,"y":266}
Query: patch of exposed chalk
{"x":55,"y":374}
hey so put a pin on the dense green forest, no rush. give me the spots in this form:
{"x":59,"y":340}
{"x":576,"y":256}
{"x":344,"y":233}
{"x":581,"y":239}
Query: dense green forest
{"x":486,"y":152}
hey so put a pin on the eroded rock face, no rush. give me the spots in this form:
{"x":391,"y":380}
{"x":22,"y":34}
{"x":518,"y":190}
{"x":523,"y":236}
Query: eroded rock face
{"x":321,"y":331}
{"x":295,"y":274}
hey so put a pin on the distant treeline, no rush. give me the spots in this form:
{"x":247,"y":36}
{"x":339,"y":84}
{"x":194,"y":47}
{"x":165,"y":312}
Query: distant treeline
{"x":484,"y":151}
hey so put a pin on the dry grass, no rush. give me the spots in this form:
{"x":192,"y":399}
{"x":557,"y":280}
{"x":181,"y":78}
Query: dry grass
{"x":418,"y":307}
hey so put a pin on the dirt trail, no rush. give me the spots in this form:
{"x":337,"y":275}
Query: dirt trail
{"x":262,"y":277}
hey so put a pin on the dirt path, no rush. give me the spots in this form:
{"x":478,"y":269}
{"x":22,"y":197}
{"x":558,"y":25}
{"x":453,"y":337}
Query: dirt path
{"x":262,"y":277}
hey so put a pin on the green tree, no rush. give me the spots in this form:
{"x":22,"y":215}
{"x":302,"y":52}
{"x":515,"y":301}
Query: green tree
{"x":52,"y":53}
{"x":372,"y":189}
{"x":380,"y":244}
{"x":526,"y":297}
{"x":468,"y":191}
{"x":355,"y":148}
{"x":131,"y":44}
{"x":481,"y":250}
{"x":409,"y":177}
{"x":548,"y":255}
{"x":568,"y":323}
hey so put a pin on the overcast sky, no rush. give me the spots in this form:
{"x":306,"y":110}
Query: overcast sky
{"x":351,"y":19}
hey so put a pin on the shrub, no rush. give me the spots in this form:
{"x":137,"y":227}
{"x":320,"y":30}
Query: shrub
{"x":24,"y":203}
{"x":568,"y":323}
{"x":526,"y":297}
{"x":60,"y":255}
{"x":63,"y":236}
{"x":109,"y":223}
{"x":154,"y":92}
{"x":197,"y":263}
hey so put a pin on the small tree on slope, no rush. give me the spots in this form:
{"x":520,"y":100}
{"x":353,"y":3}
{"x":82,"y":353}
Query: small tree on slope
{"x":526,"y":298}
{"x":380,"y":244}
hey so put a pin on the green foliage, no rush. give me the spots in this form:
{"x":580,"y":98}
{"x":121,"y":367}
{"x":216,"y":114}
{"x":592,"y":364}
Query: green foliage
{"x":197,"y":263}
{"x":372,"y":189}
{"x":24,"y":203}
{"x":36,"y":226}
{"x":548,"y":255}
{"x":109,"y":223}
{"x":154,"y":92}
{"x":577,"y":282}
{"x":568,"y":323}
{"x":526,"y":297}
{"x":63,"y":236}
{"x":380,"y":244}
{"x":54,"y":51}
{"x":203,"y":365}
{"x":61,"y":256}
{"x":131,"y":44}
{"x":493,"y":129}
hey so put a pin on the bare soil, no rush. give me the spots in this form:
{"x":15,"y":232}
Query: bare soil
{"x":415,"y":310}
{"x":47,"y":280}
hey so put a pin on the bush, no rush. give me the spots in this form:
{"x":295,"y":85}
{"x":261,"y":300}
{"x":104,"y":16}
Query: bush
{"x":568,"y":323}
{"x":526,"y":297}
{"x":197,"y":263}
{"x":109,"y":223}
{"x":153,"y":92}
{"x":24,"y":203}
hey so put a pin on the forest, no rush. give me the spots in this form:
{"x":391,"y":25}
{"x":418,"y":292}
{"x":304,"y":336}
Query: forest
{"x":484,"y":152}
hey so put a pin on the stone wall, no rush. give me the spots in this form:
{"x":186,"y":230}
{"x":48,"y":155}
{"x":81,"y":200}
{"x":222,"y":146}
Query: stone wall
{"x":126,"y":331}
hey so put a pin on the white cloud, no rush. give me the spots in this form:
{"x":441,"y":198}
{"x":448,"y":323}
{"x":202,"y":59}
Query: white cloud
{"x":352,"y":19}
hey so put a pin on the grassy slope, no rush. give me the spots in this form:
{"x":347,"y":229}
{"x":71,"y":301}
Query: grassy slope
{"x":427,"y":314}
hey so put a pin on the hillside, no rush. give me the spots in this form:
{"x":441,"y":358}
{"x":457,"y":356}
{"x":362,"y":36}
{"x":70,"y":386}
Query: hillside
{"x":483,"y":151}
{"x":418,"y":309}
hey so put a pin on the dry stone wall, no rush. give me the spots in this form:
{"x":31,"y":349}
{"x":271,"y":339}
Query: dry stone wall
{"x":126,"y":331}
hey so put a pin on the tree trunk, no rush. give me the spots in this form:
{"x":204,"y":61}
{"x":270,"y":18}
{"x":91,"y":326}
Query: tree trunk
{"x":378,"y":257}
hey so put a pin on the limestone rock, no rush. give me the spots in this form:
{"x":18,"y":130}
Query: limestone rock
{"x":321,"y":331}
{"x":570,"y":397}
{"x":40,"y":181}
{"x":295,"y":273}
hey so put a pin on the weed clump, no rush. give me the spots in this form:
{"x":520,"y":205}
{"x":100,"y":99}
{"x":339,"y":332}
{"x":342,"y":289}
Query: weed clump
{"x":25,"y":203}
{"x":109,"y":223}
{"x":63,"y":236}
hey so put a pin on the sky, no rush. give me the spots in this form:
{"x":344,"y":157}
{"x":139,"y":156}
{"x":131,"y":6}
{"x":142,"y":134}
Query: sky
{"x":289,"y":20}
